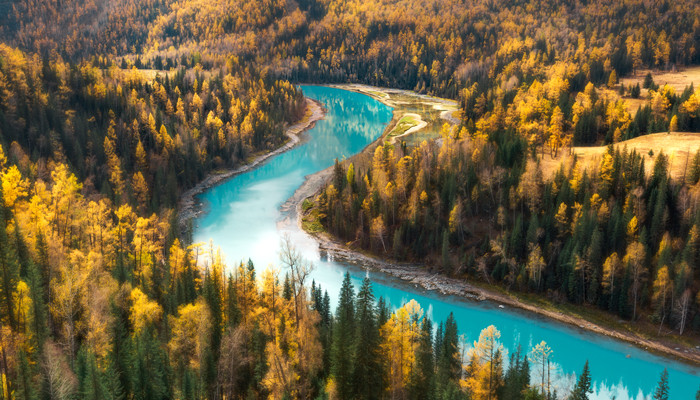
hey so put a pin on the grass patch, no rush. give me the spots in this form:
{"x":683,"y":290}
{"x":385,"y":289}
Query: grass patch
{"x":306,"y":205}
{"x":310,"y":220}
{"x":403,"y":125}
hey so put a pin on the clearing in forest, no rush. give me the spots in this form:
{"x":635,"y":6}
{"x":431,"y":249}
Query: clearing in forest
{"x":680,"y":147}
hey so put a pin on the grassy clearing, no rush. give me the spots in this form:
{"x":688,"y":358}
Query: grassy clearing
{"x":679,"y":146}
{"x":679,"y":80}
{"x":310,"y":218}
{"x":405,"y":123}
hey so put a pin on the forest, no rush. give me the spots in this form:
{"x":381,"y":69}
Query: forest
{"x":110,"y":109}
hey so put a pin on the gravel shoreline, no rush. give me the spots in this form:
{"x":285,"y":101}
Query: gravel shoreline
{"x":419,"y":275}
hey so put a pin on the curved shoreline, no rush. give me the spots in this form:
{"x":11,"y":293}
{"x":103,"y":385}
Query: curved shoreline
{"x":418,"y":275}
{"x":409,"y":273}
{"x":189,"y":208}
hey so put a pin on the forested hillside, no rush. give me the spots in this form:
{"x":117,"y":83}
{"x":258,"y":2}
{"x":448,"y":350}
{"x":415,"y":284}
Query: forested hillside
{"x":110,"y":109}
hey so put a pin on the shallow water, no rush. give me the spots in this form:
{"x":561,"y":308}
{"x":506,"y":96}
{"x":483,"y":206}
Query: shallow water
{"x":243,"y":218}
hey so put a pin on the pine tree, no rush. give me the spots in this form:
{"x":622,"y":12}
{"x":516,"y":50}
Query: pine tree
{"x":662,"y":389}
{"x":517,"y":376}
{"x":422,"y":381}
{"x":344,"y":340}
{"x":92,"y":384}
{"x":447,"y":354}
{"x":583,"y":385}
{"x":367,"y":371}
{"x":25,"y":386}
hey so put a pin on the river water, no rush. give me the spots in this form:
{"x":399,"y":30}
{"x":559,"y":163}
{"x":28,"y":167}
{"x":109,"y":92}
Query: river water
{"x":244,"y":219}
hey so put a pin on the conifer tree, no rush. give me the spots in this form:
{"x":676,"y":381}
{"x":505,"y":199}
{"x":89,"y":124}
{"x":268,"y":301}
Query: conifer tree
{"x":583,"y":385}
{"x":662,"y":389}
{"x":367,"y":369}
{"x":344,"y":330}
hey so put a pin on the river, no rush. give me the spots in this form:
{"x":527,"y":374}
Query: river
{"x":244,"y":219}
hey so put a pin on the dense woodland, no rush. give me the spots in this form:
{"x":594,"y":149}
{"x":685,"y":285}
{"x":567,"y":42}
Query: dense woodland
{"x":478,"y":205}
{"x":110,"y":109}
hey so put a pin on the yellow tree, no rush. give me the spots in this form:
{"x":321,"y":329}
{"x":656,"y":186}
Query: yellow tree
{"x":607,"y":170}
{"x":535,"y":265}
{"x":140,"y":190}
{"x":556,"y":131}
{"x":540,"y":357}
{"x":611,"y":269}
{"x":13,"y":187}
{"x":144,"y":246}
{"x":143,"y":312}
{"x":190,"y":334}
{"x":634,"y":261}
{"x":400,"y":337}
{"x":663,"y":287}
{"x":65,"y":200}
{"x":486,"y":365}
{"x":69,"y":291}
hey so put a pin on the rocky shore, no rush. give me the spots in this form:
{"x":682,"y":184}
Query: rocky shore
{"x":421,"y":276}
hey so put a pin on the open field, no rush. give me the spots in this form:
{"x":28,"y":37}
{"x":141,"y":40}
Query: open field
{"x":679,"y":146}
{"x":677,"y":80}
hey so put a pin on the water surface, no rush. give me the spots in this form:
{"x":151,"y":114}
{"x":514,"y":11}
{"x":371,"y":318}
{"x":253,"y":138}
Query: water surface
{"x":244,"y":219}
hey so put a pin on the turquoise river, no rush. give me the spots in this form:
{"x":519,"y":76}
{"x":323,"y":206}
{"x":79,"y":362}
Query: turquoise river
{"x":243,"y":217}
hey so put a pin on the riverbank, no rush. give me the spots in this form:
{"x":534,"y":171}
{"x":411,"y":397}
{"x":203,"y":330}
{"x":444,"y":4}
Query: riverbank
{"x":420,"y":276}
{"x":421,"y":115}
{"x":188,"y":206}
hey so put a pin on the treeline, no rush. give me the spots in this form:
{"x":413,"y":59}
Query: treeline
{"x":612,"y":236}
{"x":98,"y":303}
{"x":135,"y":138}
{"x":406,"y":44}
{"x":413,"y":45}
{"x":79,"y":29}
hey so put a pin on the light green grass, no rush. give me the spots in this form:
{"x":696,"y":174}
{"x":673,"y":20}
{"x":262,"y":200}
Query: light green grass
{"x":403,"y":125}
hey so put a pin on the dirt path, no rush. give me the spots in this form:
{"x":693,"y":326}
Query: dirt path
{"x":189,"y":208}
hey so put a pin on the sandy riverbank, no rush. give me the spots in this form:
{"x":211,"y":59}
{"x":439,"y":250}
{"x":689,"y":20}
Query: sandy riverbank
{"x":189,"y":207}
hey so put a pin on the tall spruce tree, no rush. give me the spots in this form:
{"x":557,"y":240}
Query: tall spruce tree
{"x":422,"y":383}
{"x":344,"y":340}
{"x":662,"y":389}
{"x":367,"y":370}
{"x":583,"y":385}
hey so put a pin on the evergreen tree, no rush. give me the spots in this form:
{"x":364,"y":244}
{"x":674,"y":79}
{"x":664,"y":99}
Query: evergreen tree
{"x":344,"y":340}
{"x":367,"y":370}
{"x":448,"y":359}
{"x":583,"y":385}
{"x":149,"y":369}
{"x":422,"y":383}
{"x":662,"y":389}
{"x":92,"y":383}
{"x":517,"y":376}
{"x":25,"y":385}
